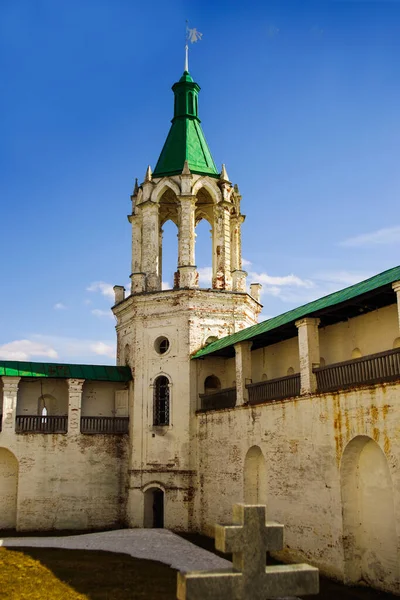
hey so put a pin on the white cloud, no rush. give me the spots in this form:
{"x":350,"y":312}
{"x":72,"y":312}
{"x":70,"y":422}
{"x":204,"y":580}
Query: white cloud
{"x":165,"y":285}
{"x":343,"y":278}
{"x":59,"y":306}
{"x":75,"y":350}
{"x":246,"y":263}
{"x":205,"y":276}
{"x":87,"y":301}
{"x":26,"y":349}
{"x":97,"y":312}
{"x":106,"y":289}
{"x":388,"y":235}
{"x":103,"y":349}
{"x":277,"y":282}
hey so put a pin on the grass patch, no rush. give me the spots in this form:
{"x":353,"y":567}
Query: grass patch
{"x":58,"y":574}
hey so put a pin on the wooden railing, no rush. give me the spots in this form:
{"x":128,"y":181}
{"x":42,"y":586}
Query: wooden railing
{"x":110,"y":425}
{"x":374,"y":368}
{"x":274,"y":389}
{"x":41,"y":424}
{"x":222,"y":399}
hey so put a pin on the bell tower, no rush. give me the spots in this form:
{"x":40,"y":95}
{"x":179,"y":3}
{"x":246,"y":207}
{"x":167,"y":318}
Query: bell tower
{"x":186,"y":187}
{"x":158,"y":330}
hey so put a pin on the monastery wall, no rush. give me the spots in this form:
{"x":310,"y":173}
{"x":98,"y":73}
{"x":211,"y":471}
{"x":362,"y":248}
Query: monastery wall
{"x":327,"y":467}
{"x":64,"y":480}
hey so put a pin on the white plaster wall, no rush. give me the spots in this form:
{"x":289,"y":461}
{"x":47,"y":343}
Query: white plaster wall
{"x":302,"y":441}
{"x":98,"y":398}
{"x":373,"y":332}
{"x":29,"y":393}
{"x":69,"y":481}
{"x":275,"y":360}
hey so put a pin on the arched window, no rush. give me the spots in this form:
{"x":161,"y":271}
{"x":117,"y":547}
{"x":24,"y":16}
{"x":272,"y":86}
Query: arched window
{"x":161,"y":401}
{"x":211,"y":384}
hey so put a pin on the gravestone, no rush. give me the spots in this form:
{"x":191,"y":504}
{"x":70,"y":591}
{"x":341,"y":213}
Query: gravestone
{"x":249,"y":539}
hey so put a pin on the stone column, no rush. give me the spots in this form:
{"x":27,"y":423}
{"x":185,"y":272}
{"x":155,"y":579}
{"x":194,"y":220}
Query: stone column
{"x":396,"y":287}
{"x":10,"y":393}
{"x":222,"y":278}
{"x":243,"y":371}
{"x":188,"y":276}
{"x":238,"y":275}
{"x":150,"y":246}
{"x":74,"y":405}
{"x":138,"y":279}
{"x":119,"y":293}
{"x":308,"y":353}
{"x":255,"y":291}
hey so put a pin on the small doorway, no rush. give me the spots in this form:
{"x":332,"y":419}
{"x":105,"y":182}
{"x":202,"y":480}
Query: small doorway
{"x":154,"y":508}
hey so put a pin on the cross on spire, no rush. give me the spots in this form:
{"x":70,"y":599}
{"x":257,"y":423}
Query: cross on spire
{"x":249,"y":539}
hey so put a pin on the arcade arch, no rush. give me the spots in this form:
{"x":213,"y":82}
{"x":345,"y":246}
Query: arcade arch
{"x":369,"y":524}
{"x":8,"y":489}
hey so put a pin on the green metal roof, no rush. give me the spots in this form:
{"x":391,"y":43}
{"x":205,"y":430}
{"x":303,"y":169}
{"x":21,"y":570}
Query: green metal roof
{"x":312,"y":309}
{"x":60,"y":371}
{"x":185,"y":140}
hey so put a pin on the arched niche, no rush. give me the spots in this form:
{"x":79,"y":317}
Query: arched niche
{"x":154,"y":507}
{"x":211,"y":384}
{"x":290,"y":371}
{"x":369,"y":524}
{"x":255,"y":477}
{"x":356,"y":353}
{"x":8,"y":489}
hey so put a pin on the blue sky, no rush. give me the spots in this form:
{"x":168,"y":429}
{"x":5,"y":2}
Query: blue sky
{"x":299,"y":99}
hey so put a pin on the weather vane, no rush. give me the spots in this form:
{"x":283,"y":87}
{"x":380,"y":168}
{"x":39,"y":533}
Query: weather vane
{"x":192,"y":35}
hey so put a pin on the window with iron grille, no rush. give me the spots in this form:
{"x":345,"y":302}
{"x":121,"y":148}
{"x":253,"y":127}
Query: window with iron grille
{"x":161,"y":401}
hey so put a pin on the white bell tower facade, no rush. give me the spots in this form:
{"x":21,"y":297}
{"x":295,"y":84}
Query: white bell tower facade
{"x":159,"y":330}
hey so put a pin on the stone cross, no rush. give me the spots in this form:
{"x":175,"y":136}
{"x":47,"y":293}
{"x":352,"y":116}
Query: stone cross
{"x":249,"y":539}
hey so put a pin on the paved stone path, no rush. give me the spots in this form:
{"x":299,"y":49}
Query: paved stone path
{"x":152,"y":544}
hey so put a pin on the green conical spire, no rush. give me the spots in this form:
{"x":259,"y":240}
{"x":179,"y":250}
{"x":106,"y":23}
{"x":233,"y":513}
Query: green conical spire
{"x":185,"y":140}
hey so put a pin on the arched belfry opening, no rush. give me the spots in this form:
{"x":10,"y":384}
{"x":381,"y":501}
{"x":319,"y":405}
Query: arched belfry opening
{"x":369,"y":524}
{"x":153,"y":508}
